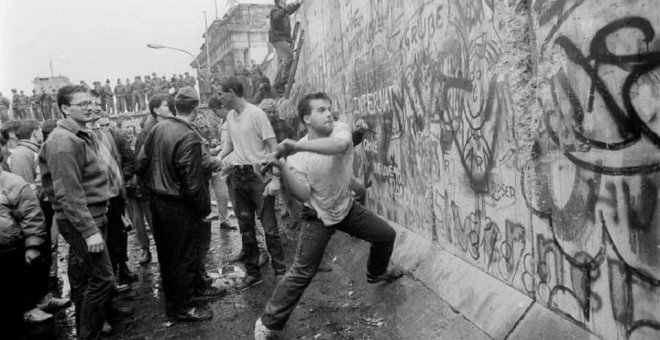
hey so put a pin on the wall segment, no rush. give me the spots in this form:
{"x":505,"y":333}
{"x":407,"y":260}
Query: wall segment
{"x":521,"y":136}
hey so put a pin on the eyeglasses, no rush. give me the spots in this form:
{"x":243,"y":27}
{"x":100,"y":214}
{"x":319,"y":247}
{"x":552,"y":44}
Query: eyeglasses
{"x":104,"y":125}
{"x":84,"y":105}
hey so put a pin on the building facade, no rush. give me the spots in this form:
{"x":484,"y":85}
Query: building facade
{"x":240,"y":38}
{"x":49,"y":84}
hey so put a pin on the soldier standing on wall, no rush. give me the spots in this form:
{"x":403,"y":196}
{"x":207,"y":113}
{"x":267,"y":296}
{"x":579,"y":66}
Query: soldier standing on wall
{"x":44,"y":102}
{"x":35,"y":104}
{"x":24,"y":105}
{"x":53,"y":105}
{"x":16,"y":112}
{"x":128,"y":96}
{"x":119,"y":94}
{"x":109,"y":101}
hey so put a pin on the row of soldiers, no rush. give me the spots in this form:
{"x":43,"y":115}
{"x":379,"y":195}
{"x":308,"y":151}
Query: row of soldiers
{"x":40,"y":106}
{"x":123,"y":97}
{"x":133,"y":96}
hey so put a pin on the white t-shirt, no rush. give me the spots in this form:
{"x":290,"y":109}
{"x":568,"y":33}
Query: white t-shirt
{"x":329,"y":178}
{"x":248,"y":132}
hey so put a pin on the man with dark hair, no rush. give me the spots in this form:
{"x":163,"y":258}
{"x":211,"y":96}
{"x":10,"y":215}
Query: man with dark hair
{"x":24,"y":162}
{"x":170,"y":166}
{"x":251,"y":138}
{"x":317,"y":173}
{"x":137,"y":196}
{"x":76,"y":183}
{"x":280,"y":36}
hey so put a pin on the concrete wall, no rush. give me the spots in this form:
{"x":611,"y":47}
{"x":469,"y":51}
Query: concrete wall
{"x":521,"y":136}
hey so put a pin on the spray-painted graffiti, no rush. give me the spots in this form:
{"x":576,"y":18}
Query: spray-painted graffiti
{"x":555,"y":195}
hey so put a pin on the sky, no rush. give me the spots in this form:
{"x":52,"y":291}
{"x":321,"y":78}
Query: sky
{"x":98,"y":40}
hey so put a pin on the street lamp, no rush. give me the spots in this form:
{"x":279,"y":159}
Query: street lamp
{"x":159,"y":46}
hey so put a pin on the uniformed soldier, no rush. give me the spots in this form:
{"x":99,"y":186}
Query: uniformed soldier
{"x":190,"y":80}
{"x":24,"y":106}
{"x":148,"y":87}
{"x":53,"y":105}
{"x":180,"y":82}
{"x":109,"y":100}
{"x":5,"y":104}
{"x":98,"y":91}
{"x":128,"y":96}
{"x":138,"y":91}
{"x":165,"y":87}
{"x":35,"y":105}
{"x":15,"y":107}
{"x":120,"y":97}
{"x":44,"y":102}
{"x":156,"y":84}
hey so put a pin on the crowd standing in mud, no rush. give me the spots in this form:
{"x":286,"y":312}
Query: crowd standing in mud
{"x":69,"y":169}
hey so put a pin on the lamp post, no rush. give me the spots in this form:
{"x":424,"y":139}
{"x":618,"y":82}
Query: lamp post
{"x":159,"y":46}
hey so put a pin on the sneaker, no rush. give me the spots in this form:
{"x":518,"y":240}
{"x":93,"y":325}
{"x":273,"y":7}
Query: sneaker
{"x":36,"y":315}
{"x":227,"y":226}
{"x":145,"y":258}
{"x":389,"y":275}
{"x":50,"y":303}
{"x":210,"y":293}
{"x":249,"y":281}
{"x":193,"y":314}
{"x":261,"y":332}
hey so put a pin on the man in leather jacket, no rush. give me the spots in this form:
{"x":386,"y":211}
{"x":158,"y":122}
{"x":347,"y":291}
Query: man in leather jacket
{"x":170,"y":166}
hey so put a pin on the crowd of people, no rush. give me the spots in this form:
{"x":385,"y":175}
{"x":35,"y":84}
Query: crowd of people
{"x":80,"y":179}
{"x":68,"y":170}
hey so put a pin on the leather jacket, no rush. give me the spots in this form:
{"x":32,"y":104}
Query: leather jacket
{"x":170,"y":164}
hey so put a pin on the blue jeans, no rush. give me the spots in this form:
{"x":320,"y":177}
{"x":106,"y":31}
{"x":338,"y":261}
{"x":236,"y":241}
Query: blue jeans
{"x":249,"y":200}
{"x":92,"y":281}
{"x":312,"y":240}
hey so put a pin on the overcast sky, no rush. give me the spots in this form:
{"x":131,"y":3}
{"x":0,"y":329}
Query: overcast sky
{"x":96,"y":40}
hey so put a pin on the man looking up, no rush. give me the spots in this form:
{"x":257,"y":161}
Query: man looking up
{"x":76,"y":184}
{"x":251,"y":138}
{"x":318,"y":174}
{"x":170,"y":165}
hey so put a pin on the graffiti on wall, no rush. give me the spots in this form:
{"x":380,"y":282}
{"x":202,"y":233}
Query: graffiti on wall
{"x":573,"y":222}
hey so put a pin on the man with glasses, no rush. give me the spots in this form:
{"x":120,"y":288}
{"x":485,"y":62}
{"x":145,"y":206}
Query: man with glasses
{"x":76,"y":183}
